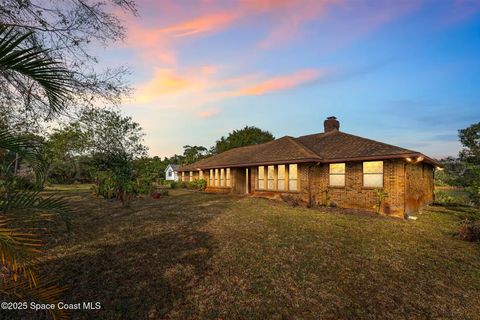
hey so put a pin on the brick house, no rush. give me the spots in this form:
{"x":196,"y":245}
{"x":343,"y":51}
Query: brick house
{"x":331,"y":168}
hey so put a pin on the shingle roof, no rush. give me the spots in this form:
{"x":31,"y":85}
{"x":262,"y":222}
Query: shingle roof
{"x":322,"y":147}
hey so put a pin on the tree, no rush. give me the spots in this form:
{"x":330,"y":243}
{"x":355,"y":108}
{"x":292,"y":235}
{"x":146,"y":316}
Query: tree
{"x":19,"y":248}
{"x":62,"y":157}
{"x":192,"y":154}
{"x":240,"y":138}
{"x":470,"y":139}
{"x":102,"y":131}
{"x":68,"y":29}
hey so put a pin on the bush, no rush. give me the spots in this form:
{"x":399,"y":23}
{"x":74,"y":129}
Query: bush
{"x":160,"y":193}
{"x":291,"y":200}
{"x":177,"y":184}
{"x":197,"y":184}
{"x":21,"y":183}
{"x":105,"y":186}
{"x":144,"y":186}
{"x":469,"y":230}
{"x":443,"y":198}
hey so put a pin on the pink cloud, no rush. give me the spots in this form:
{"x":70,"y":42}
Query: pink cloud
{"x":208,"y":113}
{"x":211,"y":22}
{"x":281,"y":83}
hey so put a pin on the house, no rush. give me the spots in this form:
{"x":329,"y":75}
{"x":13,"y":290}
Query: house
{"x":171,"y":172}
{"x":331,"y":168}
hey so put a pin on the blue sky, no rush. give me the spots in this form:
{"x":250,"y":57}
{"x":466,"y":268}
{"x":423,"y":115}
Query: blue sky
{"x":402,"y":72}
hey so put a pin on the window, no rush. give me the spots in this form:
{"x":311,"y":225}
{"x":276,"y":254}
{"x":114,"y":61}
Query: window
{"x":169,"y":173}
{"x":292,"y":177}
{"x":222,"y":177}
{"x":191,"y":176}
{"x":373,"y":174}
{"x":261,"y":178}
{"x":200,"y":174}
{"x":211,"y":177}
{"x":183,"y":176}
{"x":228,"y":177}
{"x":216,"y":178}
{"x":271,"y":177}
{"x":337,"y":174}
{"x":281,"y":177}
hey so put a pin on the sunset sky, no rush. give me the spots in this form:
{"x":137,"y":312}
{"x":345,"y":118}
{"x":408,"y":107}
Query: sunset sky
{"x":402,"y":72}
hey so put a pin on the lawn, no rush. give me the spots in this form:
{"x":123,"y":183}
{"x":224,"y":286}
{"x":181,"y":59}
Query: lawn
{"x":194,"y":255}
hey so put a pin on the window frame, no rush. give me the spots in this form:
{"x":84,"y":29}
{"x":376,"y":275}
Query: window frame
{"x":261,"y":182}
{"x":222,"y":177}
{"x":373,"y":173}
{"x":344,"y":174}
{"x":290,"y":179}
{"x":227,"y":177}
{"x":281,"y":180}
{"x":272,"y":179}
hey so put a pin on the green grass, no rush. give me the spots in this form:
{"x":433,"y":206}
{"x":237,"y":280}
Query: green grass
{"x":193,"y":255}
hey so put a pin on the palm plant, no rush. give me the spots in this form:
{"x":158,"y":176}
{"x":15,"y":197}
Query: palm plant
{"x":19,"y":248}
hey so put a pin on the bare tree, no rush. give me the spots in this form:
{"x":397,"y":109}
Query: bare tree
{"x":70,"y":28}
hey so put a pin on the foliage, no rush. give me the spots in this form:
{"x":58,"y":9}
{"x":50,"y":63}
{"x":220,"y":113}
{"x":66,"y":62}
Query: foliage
{"x":240,"y":138}
{"x":474,"y":187}
{"x":292,"y":200}
{"x":19,"y":246}
{"x":381,"y":195}
{"x":104,"y":185}
{"x":17,"y":58}
{"x":150,"y":169}
{"x":192,"y":154}
{"x":107,"y":131}
{"x":464,"y":171}
{"x":470,"y":139}
{"x":69,"y":30}
{"x":469,"y":230}
{"x":455,"y":173}
{"x":444,"y":198}
{"x":197,"y":184}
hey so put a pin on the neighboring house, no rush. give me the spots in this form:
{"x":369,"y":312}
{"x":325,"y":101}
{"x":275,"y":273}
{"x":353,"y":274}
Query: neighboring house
{"x":331,"y":168}
{"x":171,"y":172}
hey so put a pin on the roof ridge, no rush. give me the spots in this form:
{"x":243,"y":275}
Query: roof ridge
{"x":383,"y":143}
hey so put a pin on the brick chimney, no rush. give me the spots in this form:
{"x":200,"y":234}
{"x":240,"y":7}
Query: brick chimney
{"x":331,"y":124}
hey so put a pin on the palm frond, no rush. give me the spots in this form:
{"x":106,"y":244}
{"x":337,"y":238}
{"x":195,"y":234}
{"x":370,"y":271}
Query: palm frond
{"x":30,"y":203}
{"x":25,"y":148}
{"x":45,"y":292}
{"x":34,"y":63}
{"x":17,"y":252}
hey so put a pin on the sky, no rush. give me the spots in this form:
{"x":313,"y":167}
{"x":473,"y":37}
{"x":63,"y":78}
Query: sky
{"x":403,"y":72}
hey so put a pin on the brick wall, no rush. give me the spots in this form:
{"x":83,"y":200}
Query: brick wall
{"x":419,"y":186}
{"x":314,"y":189}
{"x":354,"y":194}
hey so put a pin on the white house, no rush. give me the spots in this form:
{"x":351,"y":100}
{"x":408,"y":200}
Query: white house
{"x":171,"y":172}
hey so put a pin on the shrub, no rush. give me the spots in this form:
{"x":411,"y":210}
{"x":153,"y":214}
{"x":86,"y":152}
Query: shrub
{"x":443,"y":198}
{"x":105,"y":186}
{"x":197,"y":184}
{"x":291,"y":200}
{"x":381,"y":196}
{"x":21,"y":183}
{"x":160,"y":193}
{"x":469,"y":230}
{"x":144,"y":186}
